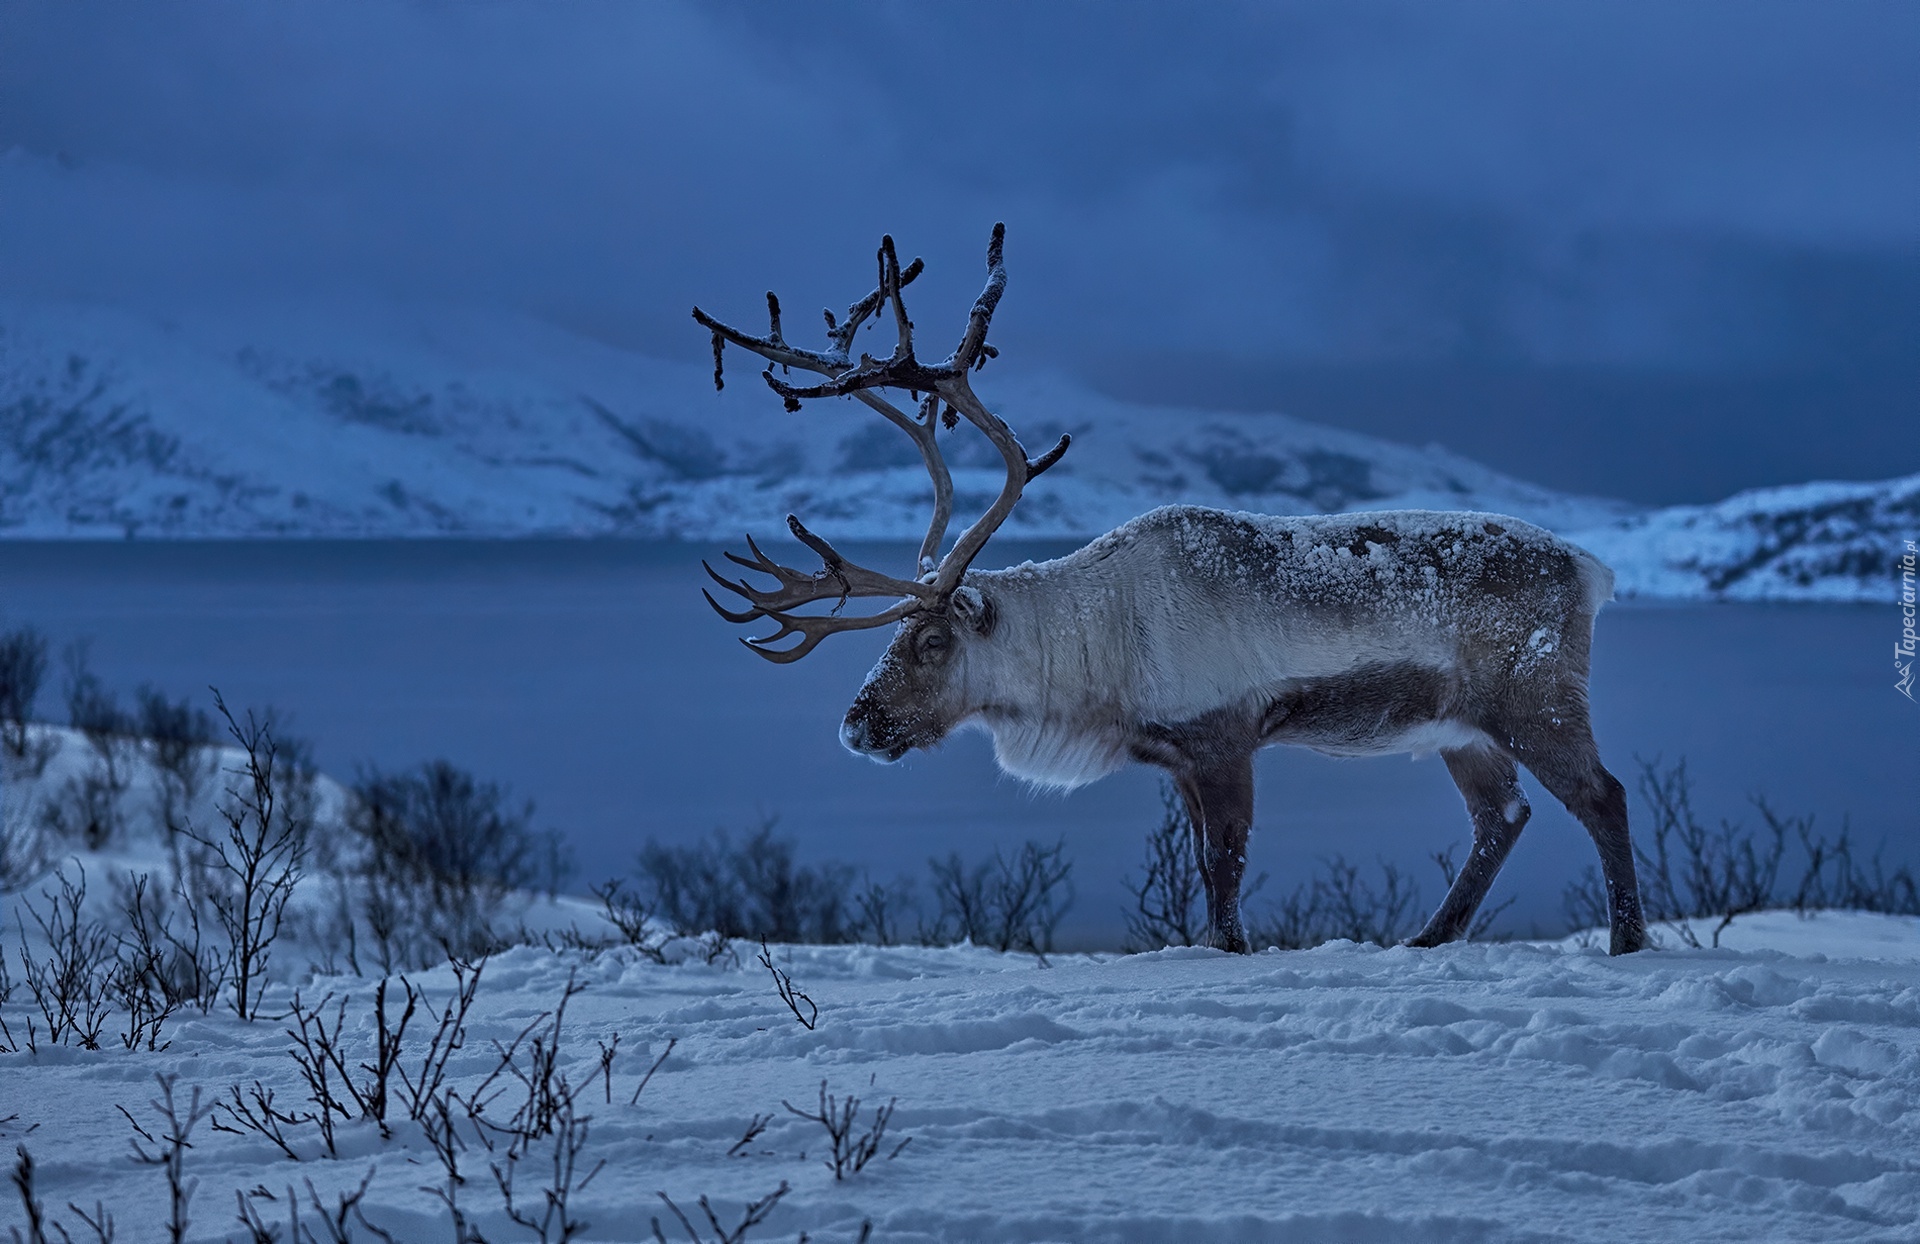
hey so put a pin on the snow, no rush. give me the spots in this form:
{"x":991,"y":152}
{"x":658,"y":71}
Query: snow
{"x":1762,"y":1090}
{"x":434,"y":421}
{"x":1503,"y":1092}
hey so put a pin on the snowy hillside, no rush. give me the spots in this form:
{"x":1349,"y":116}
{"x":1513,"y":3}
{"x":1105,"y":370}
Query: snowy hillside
{"x":352,"y":423}
{"x":1473,"y":1093}
{"x":1824,"y":541}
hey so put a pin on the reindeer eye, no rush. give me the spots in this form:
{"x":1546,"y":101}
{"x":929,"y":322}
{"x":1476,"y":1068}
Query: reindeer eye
{"x":934,"y":643}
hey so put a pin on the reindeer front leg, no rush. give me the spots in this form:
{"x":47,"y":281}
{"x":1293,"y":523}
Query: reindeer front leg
{"x":1219,"y":796}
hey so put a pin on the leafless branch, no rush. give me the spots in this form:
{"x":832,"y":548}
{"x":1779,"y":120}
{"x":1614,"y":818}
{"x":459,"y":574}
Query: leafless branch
{"x":29,"y":1202}
{"x":258,"y":1115}
{"x":783,"y":985}
{"x":169,"y":1152}
{"x":849,"y":1151}
{"x":334,"y":1221}
{"x":753,"y":1215}
{"x":756,"y":1125}
{"x":642,"y":1086}
{"x":100,"y":1222}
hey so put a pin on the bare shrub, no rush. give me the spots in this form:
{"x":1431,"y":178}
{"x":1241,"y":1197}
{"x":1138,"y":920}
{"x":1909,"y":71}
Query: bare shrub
{"x":344,"y":1085}
{"x":693,"y":901}
{"x":428,"y":1082}
{"x":440,"y":853}
{"x":168,"y":1151}
{"x":849,"y":1151}
{"x":756,"y":1124}
{"x":1691,"y":872}
{"x":1170,"y":899}
{"x":88,"y":970}
{"x":551,"y":1217}
{"x":882,"y":911}
{"x":1009,"y":902}
{"x":99,"y":1222}
{"x":645,"y":1079}
{"x":1341,"y":902}
{"x":179,"y":741}
{"x":73,"y":984}
{"x":1831,"y":879}
{"x":546,"y":1130}
{"x":547,"y":1121}
{"x":751,"y":890}
{"x":257,"y":1228}
{"x":23,"y":668}
{"x":1357,"y":911}
{"x":88,"y":805}
{"x":799,"y":1003}
{"x":333,"y":1220}
{"x":256,"y":864}
{"x":27,"y":852}
{"x":254,"y":1111}
{"x":320,"y":1054}
{"x":630,"y":915}
{"x":636,"y":927}
{"x":30,"y":1204}
{"x":751,"y":1216}
{"x":150,"y":982}
{"x":85,"y":809}
{"x":170,"y":933}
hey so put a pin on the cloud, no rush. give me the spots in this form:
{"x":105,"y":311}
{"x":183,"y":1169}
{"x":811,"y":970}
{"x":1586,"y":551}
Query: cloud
{"x":1619,"y":184}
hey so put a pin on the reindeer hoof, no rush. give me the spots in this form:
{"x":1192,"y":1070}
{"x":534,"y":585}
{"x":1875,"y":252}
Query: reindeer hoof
{"x":1234,"y":943}
{"x":1626,"y":940}
{"x":1434,"y":934}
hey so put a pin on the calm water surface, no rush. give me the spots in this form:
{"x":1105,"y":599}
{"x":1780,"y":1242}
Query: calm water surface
{"x":592,"y":678}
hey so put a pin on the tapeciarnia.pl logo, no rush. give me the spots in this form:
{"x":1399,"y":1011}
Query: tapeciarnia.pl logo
{"x":1903,"y":651}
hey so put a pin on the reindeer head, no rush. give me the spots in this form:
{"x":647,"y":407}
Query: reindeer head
{"x":913,"y":696}
{"x":908,"y":700}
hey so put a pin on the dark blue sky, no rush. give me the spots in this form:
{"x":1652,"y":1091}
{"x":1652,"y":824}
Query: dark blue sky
{"x":1658,"y":250}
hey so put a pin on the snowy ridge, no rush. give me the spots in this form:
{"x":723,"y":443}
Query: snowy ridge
{"x":356,"y":423}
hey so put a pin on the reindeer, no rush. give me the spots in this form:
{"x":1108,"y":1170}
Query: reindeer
{"x":1188,"y":638}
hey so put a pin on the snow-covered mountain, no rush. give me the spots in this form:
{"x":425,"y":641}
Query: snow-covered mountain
{"x":1821,"y":541}
{"x":358,"y":423}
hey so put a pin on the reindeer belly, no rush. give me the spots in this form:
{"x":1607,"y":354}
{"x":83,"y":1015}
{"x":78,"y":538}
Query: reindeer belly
{"x":1374,"y":709}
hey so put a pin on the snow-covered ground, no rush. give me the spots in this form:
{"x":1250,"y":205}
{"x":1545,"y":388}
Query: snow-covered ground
{"x":1473,"y":1093}
{"x":1765,"y":1090}
{"x":439,"y":422}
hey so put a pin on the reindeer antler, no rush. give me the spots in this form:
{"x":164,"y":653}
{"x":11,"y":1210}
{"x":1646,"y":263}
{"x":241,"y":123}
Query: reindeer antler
{"x":947,"y":381}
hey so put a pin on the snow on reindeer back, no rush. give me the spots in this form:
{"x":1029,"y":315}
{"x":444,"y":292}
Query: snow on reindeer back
{"x":363,"y":421}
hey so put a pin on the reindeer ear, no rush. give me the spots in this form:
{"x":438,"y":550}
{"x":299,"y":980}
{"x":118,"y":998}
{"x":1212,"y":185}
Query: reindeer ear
{"x":972,"y":610}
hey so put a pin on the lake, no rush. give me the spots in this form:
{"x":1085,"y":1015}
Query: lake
{"x":592,"y":678}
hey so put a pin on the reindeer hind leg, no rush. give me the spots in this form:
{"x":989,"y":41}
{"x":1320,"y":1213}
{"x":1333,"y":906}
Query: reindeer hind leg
{"x":1567,"y":761}
{"x":1490,"y":784}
